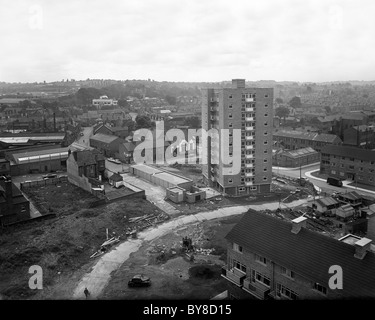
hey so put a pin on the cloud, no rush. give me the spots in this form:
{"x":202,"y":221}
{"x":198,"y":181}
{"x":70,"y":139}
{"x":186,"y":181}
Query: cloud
{"x":211,"y":40}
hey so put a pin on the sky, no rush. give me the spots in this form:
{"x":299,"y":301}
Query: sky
{"x":190,"y":40}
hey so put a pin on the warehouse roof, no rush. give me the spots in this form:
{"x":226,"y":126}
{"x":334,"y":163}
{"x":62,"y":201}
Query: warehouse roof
{"x":40,"y":155}
{"x":313,"y":136}
{"x":146,"y":169}
{"x":299,"y":152}
{"x":105,"y":138}
{"x":351,"y":152}
{"x":307,"y":253}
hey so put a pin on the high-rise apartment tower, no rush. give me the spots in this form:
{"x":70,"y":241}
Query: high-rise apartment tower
{"x":251,"y":111}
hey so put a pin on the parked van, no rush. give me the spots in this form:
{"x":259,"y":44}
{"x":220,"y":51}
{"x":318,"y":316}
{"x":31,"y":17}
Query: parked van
{"x":334,"y":181}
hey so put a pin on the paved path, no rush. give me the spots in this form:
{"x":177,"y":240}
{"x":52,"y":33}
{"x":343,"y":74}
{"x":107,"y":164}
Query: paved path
{"x":97,"y":279}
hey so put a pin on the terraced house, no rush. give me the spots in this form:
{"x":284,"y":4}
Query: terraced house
{"x":346,"y":162}
{"x":270,"y":258}
{"x":293,"y":140}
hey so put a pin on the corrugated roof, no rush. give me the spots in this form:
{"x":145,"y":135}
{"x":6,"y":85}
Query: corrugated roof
{"x":299,"y":152}
{"x":40,"y":155}
{"x":351,"y":152}
{"x":328,"y":201}
{"x":307,"y":253}
{"x":104,"y":138}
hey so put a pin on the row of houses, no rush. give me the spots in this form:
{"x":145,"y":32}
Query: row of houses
{"x":271,"y":258}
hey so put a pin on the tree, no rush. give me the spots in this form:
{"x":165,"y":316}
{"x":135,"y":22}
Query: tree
{"x":143,"y":122}
{"x":123,"y":103}
{"x":279,"y":100}
{"x":282,"y":112}
{"x":130,"y":124}
{"x":171,"y":100}
{"x":86,"y":95}
{"x":295,"y":102}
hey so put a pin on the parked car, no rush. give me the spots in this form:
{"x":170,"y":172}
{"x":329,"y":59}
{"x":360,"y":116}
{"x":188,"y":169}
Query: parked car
{"x":334,"y":181}
{"x":139,"y":281}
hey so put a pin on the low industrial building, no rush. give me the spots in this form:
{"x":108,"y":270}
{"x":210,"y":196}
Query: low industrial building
{"x":161,"y":178}
{"x":346,"y":162}
{"x":106,"y":144}
{"x":37,"y":160}
{"x":295,"y":158}
{"x":121,"y":132}
{"x":14,"y":206}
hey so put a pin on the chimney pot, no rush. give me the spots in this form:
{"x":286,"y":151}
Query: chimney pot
{"x":361,"y":247}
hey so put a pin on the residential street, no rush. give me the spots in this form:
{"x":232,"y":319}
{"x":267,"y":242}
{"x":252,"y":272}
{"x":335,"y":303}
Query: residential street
{"x":321,"y":183}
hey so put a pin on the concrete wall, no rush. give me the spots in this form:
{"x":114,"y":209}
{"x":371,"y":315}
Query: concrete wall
{"x":42,"y":182}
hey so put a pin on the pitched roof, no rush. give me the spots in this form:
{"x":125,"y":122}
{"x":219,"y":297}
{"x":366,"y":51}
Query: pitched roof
{"x":307,"y":253}
{"x":313,"y":136}
{"x":326,"y":137}
{"x":352,"y":195}
{"x":299,"y":152}
{"x":116,"y":177}
{"x":351,"y":152}
{"x":328,"y":201}
{"x":104,"y":138}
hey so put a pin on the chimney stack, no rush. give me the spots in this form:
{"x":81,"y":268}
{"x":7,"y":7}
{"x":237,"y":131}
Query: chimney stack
{"x":361,"y":247}
{"x":298,"y":223}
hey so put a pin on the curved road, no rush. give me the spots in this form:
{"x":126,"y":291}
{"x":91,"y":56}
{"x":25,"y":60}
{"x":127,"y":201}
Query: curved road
{"x":97,"y":279}
{"x":321,"y":183}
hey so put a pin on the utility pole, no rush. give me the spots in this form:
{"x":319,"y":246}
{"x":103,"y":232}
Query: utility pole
{"x":300,"y":172}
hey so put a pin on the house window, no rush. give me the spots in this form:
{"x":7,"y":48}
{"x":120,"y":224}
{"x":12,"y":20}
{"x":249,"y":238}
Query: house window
{"x":264,"y":178}
{"x":266,"y":133}
{"x":230,"y":125}
{"x":288,"y":273}
{"x":265,"y":160}
{"x":239,"y":266}
{"x":230,"y":180}
{"x":266,"y":95}
{"x":230,"y":97}
{"x":320,"y":288}
{"x":256,"y":276}
{"x":260,"y":259}
{"x":23,"y":208}
{"x":266,"y":114}
{"x":242,"y":188}
{"x":266,"y":124}
{"x":265,"y":169}
{"x":361,"y":169}
{"x":265,"y":151}
{"x":286,"y":292}
{"x":230,"y":116}
{"x":237,"y":247}
{"x":265,"y":142}
{"x":266,"y":105}
{"x":333,"y":171}
{"x":253,"y":188}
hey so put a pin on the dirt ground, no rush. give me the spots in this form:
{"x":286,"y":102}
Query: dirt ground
{"x":172,"y":273}
{"x":63,"y":244}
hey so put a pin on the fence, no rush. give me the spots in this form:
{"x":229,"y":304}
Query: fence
{"x":43,"y":182}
